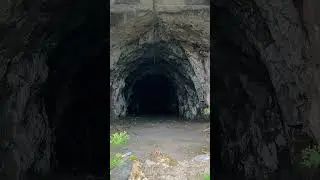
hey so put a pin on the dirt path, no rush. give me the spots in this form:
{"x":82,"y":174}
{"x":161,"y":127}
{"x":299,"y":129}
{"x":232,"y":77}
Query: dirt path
{"x":180,"y":140}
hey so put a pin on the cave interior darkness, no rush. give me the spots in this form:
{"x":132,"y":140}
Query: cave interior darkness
{"x":150,"y":89}
{"x":153,"y":92}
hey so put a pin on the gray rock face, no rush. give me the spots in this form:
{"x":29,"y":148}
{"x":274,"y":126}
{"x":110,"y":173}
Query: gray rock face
{"x":28,"y":37}
{"x":254,"y":124}
{"x":265,"y":63}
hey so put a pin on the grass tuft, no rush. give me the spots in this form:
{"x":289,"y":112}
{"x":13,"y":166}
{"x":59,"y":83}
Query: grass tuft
{"x":311,"y":157}
{"x":115,"y":160}
{"x":206,"y":111}
{"x":119,"y":138}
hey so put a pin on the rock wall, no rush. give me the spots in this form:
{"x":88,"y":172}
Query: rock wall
{"x":29,"y":32}
{"x":25,"y":133}
{"x":309,"y":12}
{"x":275,"y":34}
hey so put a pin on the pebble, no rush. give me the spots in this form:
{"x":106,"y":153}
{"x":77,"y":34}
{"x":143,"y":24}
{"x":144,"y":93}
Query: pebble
{"x":126,"y":154}
{"x":202,"y":158}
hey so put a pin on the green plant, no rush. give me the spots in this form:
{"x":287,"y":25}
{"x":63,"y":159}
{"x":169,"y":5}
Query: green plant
{"x":206,"y":176}
{"x":115,"y":160}
{"x":206,"y":110}
{"x":311,"y":157}
{"x":119,"y":138}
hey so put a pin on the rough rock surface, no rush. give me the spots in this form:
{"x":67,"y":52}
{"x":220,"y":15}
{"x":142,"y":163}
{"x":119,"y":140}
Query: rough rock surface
{"x":29,"y":35}
{"x":262,"y":59}
{"x":265,"y":61}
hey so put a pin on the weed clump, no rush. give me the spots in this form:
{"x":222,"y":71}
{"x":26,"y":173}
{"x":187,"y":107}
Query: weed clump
{"x":115,"y":160}
{"x":206,"y":110}
{"x":118,"y":138}
{"x":311,"y":157}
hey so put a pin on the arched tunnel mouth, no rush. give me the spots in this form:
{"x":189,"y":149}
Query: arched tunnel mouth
{"x":153,"y":95}
{"x":153,"y":80}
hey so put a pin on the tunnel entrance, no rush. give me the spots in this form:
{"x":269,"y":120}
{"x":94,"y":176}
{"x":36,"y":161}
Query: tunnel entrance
{"x":156,"y":79}
{"x":153,"y":94}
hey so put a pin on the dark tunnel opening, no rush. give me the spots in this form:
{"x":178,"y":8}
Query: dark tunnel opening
{"x":155,"y":83}
{"x":153,"y":95}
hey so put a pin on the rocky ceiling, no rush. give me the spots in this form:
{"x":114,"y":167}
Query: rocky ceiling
{"x":53,"y":77}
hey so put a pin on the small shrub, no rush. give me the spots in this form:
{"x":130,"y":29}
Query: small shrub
{"x":115,"y":160}
{"x":311,"y":157}
{"x":119,"y":138}
{"x":206,"y":110}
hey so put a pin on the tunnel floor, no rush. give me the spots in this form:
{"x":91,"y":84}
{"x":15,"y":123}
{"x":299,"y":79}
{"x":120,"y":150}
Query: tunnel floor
{"x":167,"y":133}
{"x":181,"y":140}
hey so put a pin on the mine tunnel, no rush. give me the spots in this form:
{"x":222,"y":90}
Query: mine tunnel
{"x":155,"y":79}
{"x":151,"y":88}
{"x":153,"y":94}
{"x":55,"y":82}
